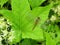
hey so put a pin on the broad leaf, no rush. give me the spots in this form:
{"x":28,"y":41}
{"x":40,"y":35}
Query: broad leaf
{"x":37,"y":33}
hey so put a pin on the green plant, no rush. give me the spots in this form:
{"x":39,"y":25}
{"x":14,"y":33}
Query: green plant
{"x":23,"y":20}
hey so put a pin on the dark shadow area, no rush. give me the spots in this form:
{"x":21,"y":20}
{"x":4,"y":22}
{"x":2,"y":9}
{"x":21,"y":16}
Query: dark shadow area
{"x":51,"y":13}
{"x":7,"y":5}
{"x":1,"y":15}
{"x":30,"y":7}
{"x":58,"y":43}
{"x":58,"y":24}
{"x":45,"y":3}
{"x":0,"y":7}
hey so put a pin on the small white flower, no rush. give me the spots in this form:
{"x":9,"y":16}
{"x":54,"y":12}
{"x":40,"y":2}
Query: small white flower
{"x":11,"y":36}
{"x":58,"y":9}
{"x":5,"y":32}
{"x":53,"y":18}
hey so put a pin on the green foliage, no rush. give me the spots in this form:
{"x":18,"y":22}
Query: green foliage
{"x":23,"y":20}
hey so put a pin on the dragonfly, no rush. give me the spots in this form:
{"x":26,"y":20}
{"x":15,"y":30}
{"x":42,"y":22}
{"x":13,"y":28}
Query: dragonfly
{"x":36,"y":22}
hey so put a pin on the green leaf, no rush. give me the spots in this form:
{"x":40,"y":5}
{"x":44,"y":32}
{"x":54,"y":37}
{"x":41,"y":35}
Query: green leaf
{"x":37,"y":34}
{"x":23,"y":8}
{"x":26,"y":42}
{"x":2,"y":2}
{"x":35,"y":3}
{"x":7,"y":14}
{"x":49,"y":40}
{"x":29,"y":42}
